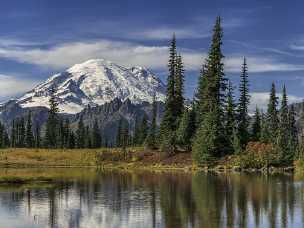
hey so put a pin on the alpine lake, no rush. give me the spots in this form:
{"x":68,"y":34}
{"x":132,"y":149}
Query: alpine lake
{"x":90,"y":198}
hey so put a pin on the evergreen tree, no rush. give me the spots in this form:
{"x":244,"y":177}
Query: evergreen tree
{"x":2,"y":143}
{"x":136,"y":135}
{"x":283,"y":128}
{"x":72,"y":143}
{"x":51,"y":133}
{"x":118,"y":134}
{"x":21,"y":133}
{"x":168,"y":125}
{"x":6,"y":140}
{"x":211,"y":140}
{"x":61,"y":134}
{"x":150,"y":140}
{"x":230,"y":117}
{"x":179,"y":87}
{"x":81,"y":134}
{"x":264,"y":128}
{"x":272,"y":120}
{"x":185,"y":130}
{"x":256,"y":126}
{"x":293,"y":135}
{"x":237,"y":147}
{"x":301,"y":142}
{"x":37,"y":136}
{"x":29,"y":138}
{"x":66,"y":134}
{"x":124,"y":137}
{"x":301,"y":121}
{"x":206,"y":141}
{"x":13,"y":134}
{"x":200,"y":103}
{"x":88,"y":138}
{"x":143,"y":130}
{"x":244,"y":100}
{"x":96,"y":139}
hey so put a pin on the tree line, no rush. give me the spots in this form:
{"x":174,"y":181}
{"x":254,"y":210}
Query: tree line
{"x":216,"y":124}
{"x":57,"y":132}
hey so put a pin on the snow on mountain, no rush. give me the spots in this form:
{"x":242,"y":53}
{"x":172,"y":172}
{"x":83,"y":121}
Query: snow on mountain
{"x":96,"y":82}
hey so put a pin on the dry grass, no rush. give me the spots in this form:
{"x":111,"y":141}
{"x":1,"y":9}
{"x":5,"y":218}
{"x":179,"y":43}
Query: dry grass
{"x":48,"y":157}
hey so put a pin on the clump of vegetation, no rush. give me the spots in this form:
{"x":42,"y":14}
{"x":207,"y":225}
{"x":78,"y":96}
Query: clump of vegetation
{"x":258,"y":155}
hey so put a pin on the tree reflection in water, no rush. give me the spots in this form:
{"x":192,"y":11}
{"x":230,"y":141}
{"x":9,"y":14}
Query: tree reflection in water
{"x":145,"y":199}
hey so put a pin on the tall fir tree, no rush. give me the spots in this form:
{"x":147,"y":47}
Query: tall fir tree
{"x":230,"y":117}
{"x":283,"y":127}
{"x":29,"y":137}
{"x":199,"y":98}
{"x":256,"y":126}
{"x":179,"y":87}
{"x":272,"y":119}
{"x":185,"y":131}
{"x":211,"y":140}
{"x":51,"y":132}
{"x":244,"y":100}
{"x":168,"y":124}
{"x":118,"y":134}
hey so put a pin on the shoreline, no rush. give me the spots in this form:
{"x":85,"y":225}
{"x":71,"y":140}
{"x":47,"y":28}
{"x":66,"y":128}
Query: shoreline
{"x":155,"y":167}
{"x":135,"y":159}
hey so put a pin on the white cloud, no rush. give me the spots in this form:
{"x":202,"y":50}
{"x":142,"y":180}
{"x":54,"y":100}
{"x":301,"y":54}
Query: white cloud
{"x":166,"y":33}
{"x":297,"y":47}
{"x":11,"y":85}
{"x":124,"y":53}
{"x":129,"y":54}
{"x":261,"y":100}
{"x":260,"y":64}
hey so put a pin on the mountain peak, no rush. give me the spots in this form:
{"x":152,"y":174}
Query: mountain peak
{"x":96,"y":82}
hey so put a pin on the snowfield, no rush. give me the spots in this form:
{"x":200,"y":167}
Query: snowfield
{"x":96,"y":82}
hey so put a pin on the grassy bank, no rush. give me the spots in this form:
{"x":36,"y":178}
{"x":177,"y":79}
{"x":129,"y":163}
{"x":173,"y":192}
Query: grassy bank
{"x":132,"y":158}
{"x":46,"y":166}
{"x":108,"y":158}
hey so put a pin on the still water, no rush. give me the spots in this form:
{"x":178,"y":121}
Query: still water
{"x":89,"y":198}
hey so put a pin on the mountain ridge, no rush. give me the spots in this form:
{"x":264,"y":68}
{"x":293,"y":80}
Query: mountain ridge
{"x":96,"y":82}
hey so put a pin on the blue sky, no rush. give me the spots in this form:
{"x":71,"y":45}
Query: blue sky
{"x":42,"y":37}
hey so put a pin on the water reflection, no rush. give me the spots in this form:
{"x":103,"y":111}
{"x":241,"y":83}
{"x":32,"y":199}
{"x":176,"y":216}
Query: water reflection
{"x":143,"y":199}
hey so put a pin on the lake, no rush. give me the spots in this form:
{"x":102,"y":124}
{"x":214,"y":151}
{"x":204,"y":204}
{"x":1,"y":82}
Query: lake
{"x":95,"y":198}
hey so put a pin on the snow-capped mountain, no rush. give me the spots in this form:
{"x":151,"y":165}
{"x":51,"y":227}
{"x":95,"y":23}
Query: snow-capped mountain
{"x":96,"y":82}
